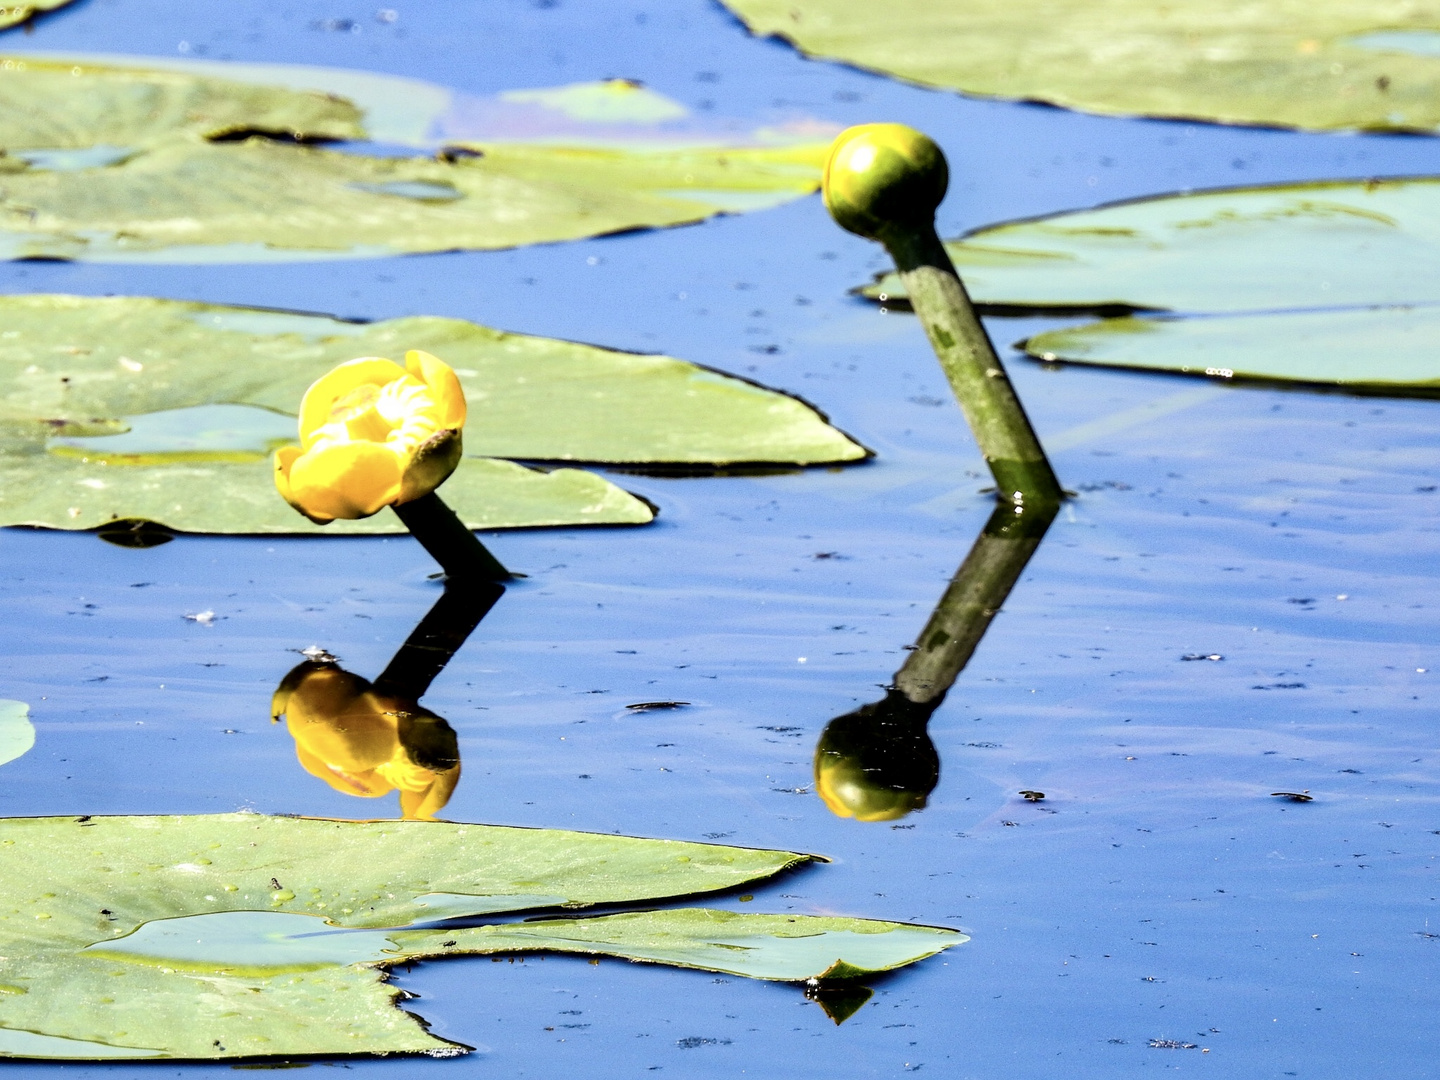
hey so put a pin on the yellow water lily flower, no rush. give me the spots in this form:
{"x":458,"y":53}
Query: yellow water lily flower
{"x":373,"y":434}
{"x":365,"y":742}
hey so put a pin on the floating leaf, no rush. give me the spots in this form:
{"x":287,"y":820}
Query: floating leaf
{"x":1325,"y":64}
{"x":109,"y":162}
{"x":239,"y":935}
{"x":1240,"y":249}
{"x":17,"y":734}
{"x":132,"y":407}
{"x":1373,"y":350}
{"x":15,"y":14}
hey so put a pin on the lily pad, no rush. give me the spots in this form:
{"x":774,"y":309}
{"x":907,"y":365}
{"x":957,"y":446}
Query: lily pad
{"x":109,"y":162}
{"x":15,"y":14}
{"x":1330,"y":243}
{"x":17,"y":733}
{"x":1326,"y":64}
{"x":1387,"y":351}
{"x":239,"y":935}
{"x":133,"y":407}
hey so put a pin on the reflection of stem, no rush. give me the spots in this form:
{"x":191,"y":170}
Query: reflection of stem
{"x":458,"y":550}
{"x":975,"y":594}
{"x":996,"y":417}
{"x":438,"y":637}
{"x":878,"y":763}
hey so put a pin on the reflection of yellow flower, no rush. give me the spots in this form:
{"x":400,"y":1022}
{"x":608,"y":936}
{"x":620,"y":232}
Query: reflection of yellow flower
{"x":366,"y":743}
{"x":848,"y":792}
{"x":371,"y":434}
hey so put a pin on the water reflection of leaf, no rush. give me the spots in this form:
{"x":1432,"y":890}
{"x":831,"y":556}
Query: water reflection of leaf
{"x":134,"y":408}
{"x":1319,"y":65}
{"x":241,"y":935}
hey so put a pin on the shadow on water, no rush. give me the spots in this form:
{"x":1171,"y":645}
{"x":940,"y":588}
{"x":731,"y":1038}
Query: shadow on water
{"x":878,"y":763}
{"x":369,"y":739}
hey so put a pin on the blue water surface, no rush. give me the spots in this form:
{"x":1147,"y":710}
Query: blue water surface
{"x":1158,"y":895}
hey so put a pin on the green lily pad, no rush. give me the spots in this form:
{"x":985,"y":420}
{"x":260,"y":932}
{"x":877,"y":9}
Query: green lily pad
{"x":17,"y":734}
{"x":133,"y":407}
{"x":16,"y":14}
{"x":239,"y":935}
{"x":1330,"y":243}
{"x":112,"y":162}
{"x":1326,"y":64}
{"x":1373,"y":350}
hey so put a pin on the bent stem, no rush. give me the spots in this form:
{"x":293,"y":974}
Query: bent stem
{"x":1022,"y":472}
{"x":458,"y":550}
{"x":441,"y":633}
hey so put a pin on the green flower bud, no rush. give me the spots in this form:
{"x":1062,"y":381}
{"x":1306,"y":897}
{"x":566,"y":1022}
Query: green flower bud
{"x":880,"y":175}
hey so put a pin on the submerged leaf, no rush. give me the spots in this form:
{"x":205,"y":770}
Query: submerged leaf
{"x":240,"y":935}
{"x":1373,"y":350}
{"x":1328,"y":243}
{"x":112,"y":161}
{"x":1322,"y":64}
{"x":17,"y":733}
{"x":132,"y":407}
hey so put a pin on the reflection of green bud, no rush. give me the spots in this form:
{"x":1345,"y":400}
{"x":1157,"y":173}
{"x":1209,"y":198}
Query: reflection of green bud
{"x":877,"y":763}
{"x":879,"y":175}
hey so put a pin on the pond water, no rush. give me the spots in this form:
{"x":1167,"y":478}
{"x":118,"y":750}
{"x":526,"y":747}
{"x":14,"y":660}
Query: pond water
{"x":1238,"y":602}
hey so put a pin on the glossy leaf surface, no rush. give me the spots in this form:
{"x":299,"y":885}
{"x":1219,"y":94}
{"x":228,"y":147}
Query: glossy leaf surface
{"x":1320,"y":64}
{"x":133,"y":407}
{"x":240,"y":935}
{"x":1238,"y":249}
{"x":110,"y":161}
{"x":1373,"y":350}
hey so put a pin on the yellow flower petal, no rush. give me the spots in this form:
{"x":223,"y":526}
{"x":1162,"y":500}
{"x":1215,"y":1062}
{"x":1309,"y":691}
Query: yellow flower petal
{"x":335,"y":384}
{"x":346,"y":480}
{"x":444,"y":387}
{"x":285,"y":459}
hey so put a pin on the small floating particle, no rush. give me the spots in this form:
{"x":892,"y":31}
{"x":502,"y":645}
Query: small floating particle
{"x":1171,"y":1044}
{"x":641,"y":706}
{"x":1294,"y":796}
{"x":1202,"y":656}
{"x":316,"y":655}
{"x":1032,"y":796}
{"x":204,"y":618}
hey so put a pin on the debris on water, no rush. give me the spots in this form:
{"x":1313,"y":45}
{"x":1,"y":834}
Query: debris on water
{"x":1171,"y":1044}
{"x":204,"y":618}
{"x":1032,"y":796}
{"x":1294,"y":796}
{"x":642,"y":706}
{"x":1202,"y":656}
{"x":316,"y":655}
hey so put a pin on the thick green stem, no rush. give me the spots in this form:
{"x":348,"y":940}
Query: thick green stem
{"x":996,"y":417}
{"x":975,"y":594}
{"x":458,"y":551}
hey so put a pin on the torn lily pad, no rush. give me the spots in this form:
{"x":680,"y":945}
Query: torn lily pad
{"x":239,"y":935}
{"x":131,"y":407}
{"x":17,"y":733}
{"x":112,"y":161}
{"x":1387,"y":351}
{"x":1325,"y":65}
{"x":1323,"y":244}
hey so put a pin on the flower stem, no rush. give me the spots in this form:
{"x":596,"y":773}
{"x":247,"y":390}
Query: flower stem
{"x":439,"y":636}
{"x":1022,"y":473}
{"x":458,"y":550}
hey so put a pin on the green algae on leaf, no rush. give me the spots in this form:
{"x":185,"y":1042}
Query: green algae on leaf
{"x":133,"y":407}
{"x":1323,"y":64}
{"x":1387,"y":351}
{"x":17,"y":733}
{"x":1326,"y":243}
{"x":240,"y":935}
{"x":110,"y":160}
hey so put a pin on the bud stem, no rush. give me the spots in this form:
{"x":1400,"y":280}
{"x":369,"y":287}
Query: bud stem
{"x":996,"y":417}
{"x":458,"y":550}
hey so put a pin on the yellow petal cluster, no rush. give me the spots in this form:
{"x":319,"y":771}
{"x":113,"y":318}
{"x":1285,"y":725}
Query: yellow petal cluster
{"x":373,"y":434}
{"x":366,"y":743}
